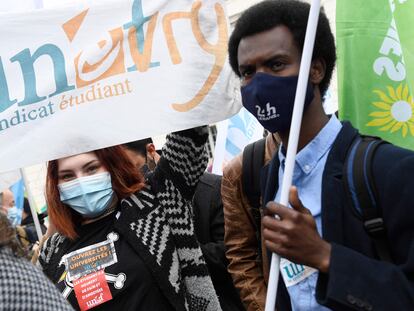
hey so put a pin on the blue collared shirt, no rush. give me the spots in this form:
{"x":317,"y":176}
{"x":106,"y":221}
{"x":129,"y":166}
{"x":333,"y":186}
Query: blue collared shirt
{"x":307,"y":177}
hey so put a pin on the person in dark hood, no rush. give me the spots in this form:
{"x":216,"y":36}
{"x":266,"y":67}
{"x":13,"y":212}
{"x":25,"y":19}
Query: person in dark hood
{"x":26,"y":231}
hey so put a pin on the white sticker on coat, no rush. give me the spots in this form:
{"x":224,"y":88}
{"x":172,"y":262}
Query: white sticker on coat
{"x":293,"y":273}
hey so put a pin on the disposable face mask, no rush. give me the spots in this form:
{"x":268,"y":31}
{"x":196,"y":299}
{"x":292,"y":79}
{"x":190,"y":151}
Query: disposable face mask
{"x":89,"y":196}
{"x":271,"y":99}
{"x":13,"y":215}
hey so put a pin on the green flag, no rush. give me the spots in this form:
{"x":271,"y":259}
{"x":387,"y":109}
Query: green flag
{"x":376,"y":67}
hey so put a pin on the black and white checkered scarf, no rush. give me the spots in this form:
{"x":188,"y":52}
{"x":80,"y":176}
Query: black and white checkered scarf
{"x":163,"y":224}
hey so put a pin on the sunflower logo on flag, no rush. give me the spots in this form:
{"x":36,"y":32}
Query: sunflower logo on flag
{"x":395,"y":111}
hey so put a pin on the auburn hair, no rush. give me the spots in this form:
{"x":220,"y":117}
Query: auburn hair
{"x":126,"y":179}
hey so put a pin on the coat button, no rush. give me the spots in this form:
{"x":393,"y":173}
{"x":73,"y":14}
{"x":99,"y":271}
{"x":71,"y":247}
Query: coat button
{"x":351,"y":299}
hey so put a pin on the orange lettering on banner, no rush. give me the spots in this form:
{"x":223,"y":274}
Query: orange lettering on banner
{"x":142,"y":60}
{"x":219,"y":50}
{"x":169,"y":35}
{"x":117,"y":67}
{"x":93,"y":93}
{"x":72,"y":26}
{"x":141,"y":56}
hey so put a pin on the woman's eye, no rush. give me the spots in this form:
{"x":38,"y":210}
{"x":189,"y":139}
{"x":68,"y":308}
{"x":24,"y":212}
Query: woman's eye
{"x":66,"y":177}
{"x":92,"y":169}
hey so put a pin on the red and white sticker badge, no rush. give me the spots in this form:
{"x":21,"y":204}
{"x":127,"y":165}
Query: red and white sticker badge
{"x":92,"y":290}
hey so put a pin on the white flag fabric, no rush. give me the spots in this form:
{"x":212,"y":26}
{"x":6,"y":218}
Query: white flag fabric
{"x":20,"y":5}
{"x":11,"y":177}
{"x":8,"y":178}
{"x":232,"y":136}
{"x":89,"y":76}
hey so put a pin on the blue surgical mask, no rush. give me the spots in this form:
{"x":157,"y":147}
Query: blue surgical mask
{"x":13,"y":215}
{"x":90,"y":196}
{"x":271,"y":99}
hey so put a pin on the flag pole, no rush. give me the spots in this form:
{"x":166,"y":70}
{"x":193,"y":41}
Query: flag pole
{"x":32,"y":204}
{"x":294,"y":138}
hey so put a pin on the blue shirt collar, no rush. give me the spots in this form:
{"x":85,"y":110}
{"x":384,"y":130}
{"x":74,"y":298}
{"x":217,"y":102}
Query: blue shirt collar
{"x":308,"y":157}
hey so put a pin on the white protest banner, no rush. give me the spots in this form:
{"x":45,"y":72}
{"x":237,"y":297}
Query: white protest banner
{"x":19,"y":5}
{"x":9,"y":178}
{"x":88,"y":76}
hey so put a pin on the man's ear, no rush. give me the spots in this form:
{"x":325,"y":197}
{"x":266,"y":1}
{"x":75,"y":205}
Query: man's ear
{"x":317,"y":71}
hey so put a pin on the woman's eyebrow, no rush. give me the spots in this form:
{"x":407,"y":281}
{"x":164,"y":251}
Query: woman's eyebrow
{"x":89,"y":163}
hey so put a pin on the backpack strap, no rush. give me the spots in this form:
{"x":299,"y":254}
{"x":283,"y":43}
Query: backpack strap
{"x":360,"y":185}
{"x":253,"y":159}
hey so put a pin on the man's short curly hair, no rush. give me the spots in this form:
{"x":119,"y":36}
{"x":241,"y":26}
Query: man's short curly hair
{"x":293,"y":14}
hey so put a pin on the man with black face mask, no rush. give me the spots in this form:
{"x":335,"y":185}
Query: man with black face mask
{"x":328,"y":259}
{"x":143,"y":154}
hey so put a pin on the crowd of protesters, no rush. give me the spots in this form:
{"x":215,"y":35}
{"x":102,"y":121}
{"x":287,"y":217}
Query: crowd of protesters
{"x":137,"y":229}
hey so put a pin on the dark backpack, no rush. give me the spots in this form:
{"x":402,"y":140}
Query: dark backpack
{"x":359,"y":185}
{"x":253,"y":160}
{"x":361,"y":189}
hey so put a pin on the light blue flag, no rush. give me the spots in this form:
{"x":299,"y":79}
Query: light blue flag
{"x":18,"y":192}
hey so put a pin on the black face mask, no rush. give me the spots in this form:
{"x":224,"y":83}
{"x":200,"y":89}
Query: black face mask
{"x":271,"y":99}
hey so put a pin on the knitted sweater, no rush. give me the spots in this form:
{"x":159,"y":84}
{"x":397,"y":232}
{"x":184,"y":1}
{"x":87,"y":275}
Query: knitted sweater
{"x":157,"y":221}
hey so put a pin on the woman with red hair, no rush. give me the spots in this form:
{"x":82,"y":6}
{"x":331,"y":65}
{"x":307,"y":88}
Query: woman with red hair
{"x":123,"y":243}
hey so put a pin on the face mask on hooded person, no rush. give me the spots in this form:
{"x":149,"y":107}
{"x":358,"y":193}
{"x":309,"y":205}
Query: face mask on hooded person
{"x":90,"y":196}
{"x":271,"y":99}
{"x":8,"y":207}
{"x":13,"y":215}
